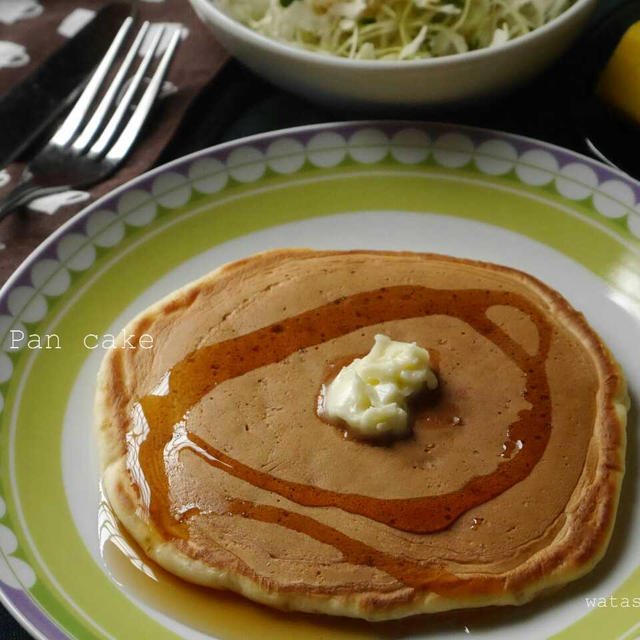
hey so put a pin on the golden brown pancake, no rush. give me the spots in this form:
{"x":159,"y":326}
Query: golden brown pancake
{"x":216,"y":462}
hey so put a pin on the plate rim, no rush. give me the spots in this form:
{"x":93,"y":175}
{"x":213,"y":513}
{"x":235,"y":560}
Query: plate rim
{"x":277,"y":133}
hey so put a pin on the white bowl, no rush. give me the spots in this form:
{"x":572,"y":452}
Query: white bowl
{"x":412,"y":83}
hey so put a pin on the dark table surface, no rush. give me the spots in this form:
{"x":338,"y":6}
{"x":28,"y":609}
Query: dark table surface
{"x":236,"y":103}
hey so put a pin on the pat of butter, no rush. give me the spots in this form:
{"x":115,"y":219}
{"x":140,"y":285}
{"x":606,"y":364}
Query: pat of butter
{"x":371,"y":393}
{"x":619,"y":84}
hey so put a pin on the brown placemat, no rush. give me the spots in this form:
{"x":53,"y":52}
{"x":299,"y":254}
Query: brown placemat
{"x":34,"y":29}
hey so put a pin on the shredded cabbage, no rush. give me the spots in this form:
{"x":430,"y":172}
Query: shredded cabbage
{"x":394,"y":29}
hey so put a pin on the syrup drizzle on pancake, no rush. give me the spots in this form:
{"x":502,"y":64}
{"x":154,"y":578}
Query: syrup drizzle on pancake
{"x":161,"y":422}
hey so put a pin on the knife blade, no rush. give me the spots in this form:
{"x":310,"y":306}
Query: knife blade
{"x":29,"y":107}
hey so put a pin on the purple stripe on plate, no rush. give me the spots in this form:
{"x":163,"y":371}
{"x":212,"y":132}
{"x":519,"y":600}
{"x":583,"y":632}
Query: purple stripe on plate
{"x":30,"y":615}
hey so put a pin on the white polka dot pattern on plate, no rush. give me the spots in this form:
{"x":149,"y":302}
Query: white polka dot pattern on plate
{"x":171,"y":190}
{"x":105,"y":228}
{"x":495,"y":157}
{"x":285,"y":155}
{"x":453,"y":150}
{"x":13,"y":571}
{"x":537,"y":167}
{"x":76,"y":252}
{"x":137,"y":207}
{"x":7,"y":576}
{"x":23,"y":573}
{"x":614,"y":198}
{"x":50,"y":277}
{"x":209,"y":175}
{"x":633,"y":222}
{"x":576,"y":181}
{"x":6,"y":369}
{"x":12,"y":341}
{"x":26,"y":303}
{"x":410,"y":146}
{"x":327,"y":149}
{"x":8,"y":540}
{"x":368,"y":146}
{"x":246,"y":164}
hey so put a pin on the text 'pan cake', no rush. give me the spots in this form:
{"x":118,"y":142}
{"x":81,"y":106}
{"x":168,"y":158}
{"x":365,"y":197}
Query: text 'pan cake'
{"x":216,"y":461}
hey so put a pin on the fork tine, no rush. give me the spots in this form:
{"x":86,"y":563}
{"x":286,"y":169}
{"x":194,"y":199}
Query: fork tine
{"x":114,"y":123}
{"x":73,"y":121}
{"x":88,"y":133}
{"x":133,"y":127}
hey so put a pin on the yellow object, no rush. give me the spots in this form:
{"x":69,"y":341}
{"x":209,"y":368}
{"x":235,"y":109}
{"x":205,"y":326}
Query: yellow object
{"x":619,"y":84}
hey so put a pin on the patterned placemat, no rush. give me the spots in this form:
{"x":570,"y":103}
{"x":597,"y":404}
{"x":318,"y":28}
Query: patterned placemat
{"x":30,"y":30}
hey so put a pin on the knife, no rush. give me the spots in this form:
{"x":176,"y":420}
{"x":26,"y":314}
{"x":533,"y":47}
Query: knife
{"x":29,"y":107}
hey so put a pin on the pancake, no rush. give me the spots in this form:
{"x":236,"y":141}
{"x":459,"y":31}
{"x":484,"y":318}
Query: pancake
{"x":215,"y":459}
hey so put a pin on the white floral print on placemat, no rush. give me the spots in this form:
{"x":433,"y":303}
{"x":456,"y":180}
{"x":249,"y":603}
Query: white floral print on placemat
{"x":14,"y":572}
{"x":77,"y":19}
{"x":12,"y":54}
{"x":5,"y":177}
{"x":50,"y":204}
{"x":12,"y":11}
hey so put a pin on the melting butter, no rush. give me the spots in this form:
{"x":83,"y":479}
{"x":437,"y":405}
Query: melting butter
{"x":372,"y":392}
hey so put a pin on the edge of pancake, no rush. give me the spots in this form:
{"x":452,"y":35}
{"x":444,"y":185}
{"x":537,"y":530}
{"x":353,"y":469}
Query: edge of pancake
{"x":576,"y":549}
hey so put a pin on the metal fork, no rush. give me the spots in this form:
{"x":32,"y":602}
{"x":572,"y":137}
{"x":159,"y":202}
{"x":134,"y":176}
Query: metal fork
{"x":86,"y":148}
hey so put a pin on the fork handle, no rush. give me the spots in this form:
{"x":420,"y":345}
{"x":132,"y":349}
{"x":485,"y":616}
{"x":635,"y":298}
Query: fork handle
{"x":24,"y":192}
